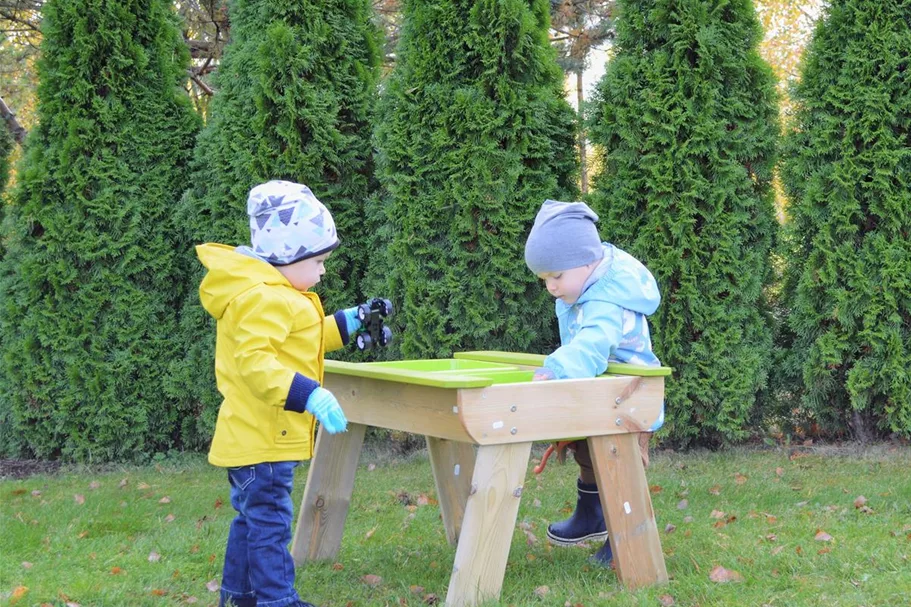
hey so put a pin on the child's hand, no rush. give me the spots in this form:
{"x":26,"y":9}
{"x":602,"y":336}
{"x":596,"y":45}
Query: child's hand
{"x":543,"y":374}
{"x":352,"y":323}
{"x":323,"y":405}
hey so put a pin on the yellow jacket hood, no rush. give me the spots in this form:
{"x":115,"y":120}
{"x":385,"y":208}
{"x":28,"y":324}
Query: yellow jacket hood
{"x":231,"y":273}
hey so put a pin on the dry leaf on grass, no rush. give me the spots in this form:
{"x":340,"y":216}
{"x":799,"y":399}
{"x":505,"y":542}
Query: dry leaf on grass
{"x":94,"y":485}
{"x":822,"y":536}
{"x":682,"y":505}
{"x":666,"y":600}
{"x":372,"y":580}
{"x":740,"y":478}
{"x":860,"y":501}
{"x":80,"y":499}
{"x":212,"y":585}
{"x":721,"y":575}
{"x":154,"y":557}
{"x":165,"y":500}
{"x":542,"y":591}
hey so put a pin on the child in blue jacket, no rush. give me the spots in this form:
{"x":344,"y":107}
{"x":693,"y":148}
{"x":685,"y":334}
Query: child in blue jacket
{"x":603,"y":296}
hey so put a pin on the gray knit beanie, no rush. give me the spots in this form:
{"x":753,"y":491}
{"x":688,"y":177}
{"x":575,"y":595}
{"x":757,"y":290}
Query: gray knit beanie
{"x":564,"y":236}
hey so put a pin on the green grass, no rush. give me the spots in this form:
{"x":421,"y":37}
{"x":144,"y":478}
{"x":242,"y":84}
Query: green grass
{"x":95,"y":550}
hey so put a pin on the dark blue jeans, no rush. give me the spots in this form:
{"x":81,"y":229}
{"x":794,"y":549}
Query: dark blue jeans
{"x":258,"y":566}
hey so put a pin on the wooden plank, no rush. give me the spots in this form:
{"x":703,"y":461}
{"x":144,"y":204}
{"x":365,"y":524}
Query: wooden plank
{"x":536,"y":360}
{"x":453,"y":466}
{"x":551,"y":410}
{"x":410,"y":408}
{"x":627,"y":506}
{"x":327,"y":495}
{"x":490,"y":519}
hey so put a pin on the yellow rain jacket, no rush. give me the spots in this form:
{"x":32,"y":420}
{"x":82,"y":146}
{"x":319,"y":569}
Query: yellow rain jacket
{"x":267,"y":331}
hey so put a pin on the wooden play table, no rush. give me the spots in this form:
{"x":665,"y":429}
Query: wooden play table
{"x":480,"y":413}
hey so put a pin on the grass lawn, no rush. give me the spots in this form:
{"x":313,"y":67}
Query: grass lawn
{"x":816,"y":526}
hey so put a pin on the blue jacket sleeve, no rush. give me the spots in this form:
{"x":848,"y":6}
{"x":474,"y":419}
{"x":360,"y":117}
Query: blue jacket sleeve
{"x":586,"y":355}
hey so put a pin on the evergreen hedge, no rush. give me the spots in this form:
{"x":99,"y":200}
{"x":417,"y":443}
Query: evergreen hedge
{"x":295,"y":92}
{"x":473,"y":135}
{"x":90,"y":281}
{"x":685,"y":120}
{"x":6,"y":148}
{"x":847,"y":174}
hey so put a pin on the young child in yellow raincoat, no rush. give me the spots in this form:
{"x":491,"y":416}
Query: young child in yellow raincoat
{"x":271,"y":338}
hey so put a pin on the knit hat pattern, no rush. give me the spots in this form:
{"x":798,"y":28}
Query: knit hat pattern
{"x":288,"y":223}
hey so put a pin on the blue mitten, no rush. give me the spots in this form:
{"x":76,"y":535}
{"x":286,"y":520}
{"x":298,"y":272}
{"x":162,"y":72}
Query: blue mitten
{"x":352,"y":322}
{"x":323,"y":405}
{"x":543,"y":374}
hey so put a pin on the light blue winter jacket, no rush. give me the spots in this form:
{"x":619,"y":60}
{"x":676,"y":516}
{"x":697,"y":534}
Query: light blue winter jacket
{"x":607,"y":323}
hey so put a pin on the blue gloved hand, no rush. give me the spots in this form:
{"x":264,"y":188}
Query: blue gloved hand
{"x":353,"y":324}
{"x":543,"y":374}
{"x":323,"y":405}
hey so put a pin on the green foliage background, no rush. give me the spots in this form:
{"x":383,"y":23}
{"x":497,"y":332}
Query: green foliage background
{"x":685,"y":124}
{"x":473,"y":135}
{"x":295,"y":96}
{"x":847,"y":170}
{"x":92,"y":274}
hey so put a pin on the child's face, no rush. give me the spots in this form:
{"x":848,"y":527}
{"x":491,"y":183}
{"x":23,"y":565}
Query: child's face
{"x":567,"y":284}
{"x":306,"y":273}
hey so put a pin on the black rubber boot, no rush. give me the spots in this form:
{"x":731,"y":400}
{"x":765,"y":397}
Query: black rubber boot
{"x":586,"y":523}
{"x":604,"y":556}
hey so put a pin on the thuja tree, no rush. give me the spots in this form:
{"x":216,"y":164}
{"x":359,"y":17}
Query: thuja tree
{"x":295,"y":93}
{"x":90,"y":280}
{"x":473,"y":135}
{"x":847,"y":170}
{"x":6,"y":148}
{"x":685,"y":122}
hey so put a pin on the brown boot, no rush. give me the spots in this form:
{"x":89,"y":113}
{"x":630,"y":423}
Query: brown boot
{"x":644,"y":437}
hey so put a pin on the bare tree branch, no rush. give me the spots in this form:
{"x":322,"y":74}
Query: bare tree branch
{"x":9,"y":117}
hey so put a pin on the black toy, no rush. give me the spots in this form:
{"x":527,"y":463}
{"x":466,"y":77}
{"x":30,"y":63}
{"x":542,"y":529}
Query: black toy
{"x":371,"y":315}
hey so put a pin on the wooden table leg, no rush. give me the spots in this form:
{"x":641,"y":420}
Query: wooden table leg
{"x":627,"y":507}
{"x":490,"y":519}
{"x":327,"y":495}
{"x":453,"y":466}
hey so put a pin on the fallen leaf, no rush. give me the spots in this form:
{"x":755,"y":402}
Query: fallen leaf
{"x":670,"y":528}
{"x":165,"y":500}
{"x":416,"y":589}
{"x":371,"y":467}
{"x":718,"y":514}
{"x":536,"y":503}
{"x":123,"y":483}
{"x":721,"y":575}
{"x":26,"y":565}
{"x":824,"y":550}
{"x":372,"y":580}
{"x":431,"y":599}
{"x":542,"y":591}
{"x":154,"y":557}
{"x":682,"y":505}
{"x":779,"y":471}
{"x":80,"y":499}
{"x":655,"y":489}
{"x":715,"y":490}
{"x":17,"y":595}
{"x":36,"y":493}
{"x":369,"y":534}
{"x":212,"y":585}
{"x":777,"y":549}
{"x":740,"y":478}
{"x":866,"y":510}
{"x":530,"y":538}
{"x":143,"y":486}
{"x":771,"y":537}
{"x":94,"y":485}
{"x":337,"y":566}
{"x":688,"y":519}
{"x":666,"y":600}
{"x":191,"y":600}
{"x":169,"y":518}
{"x":158,"y":592}
{"x":218,"y":503}
{"x":116,"y":570}
{"x":423,"y":500}
{"x":83,"y":535}
{"x":860,"y":501}
{"x":822,"y":536}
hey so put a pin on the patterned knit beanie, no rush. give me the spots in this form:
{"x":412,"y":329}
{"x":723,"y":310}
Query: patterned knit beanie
{"x":288,"y":223}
